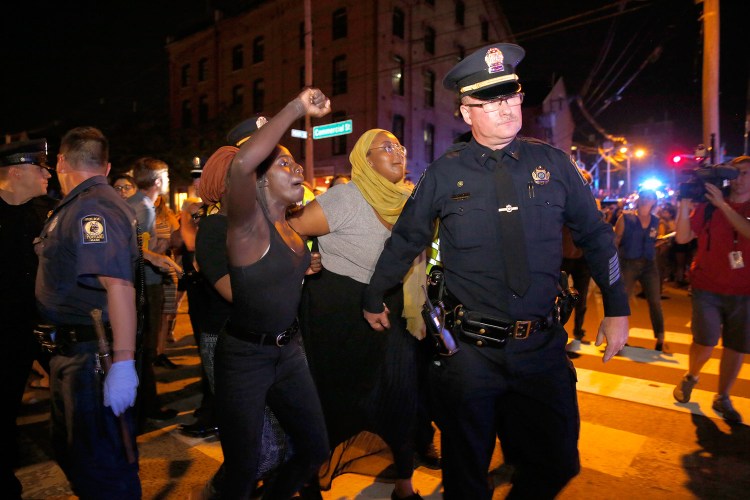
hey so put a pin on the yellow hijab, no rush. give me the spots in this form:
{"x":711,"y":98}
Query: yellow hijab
{"x":387,"y":198}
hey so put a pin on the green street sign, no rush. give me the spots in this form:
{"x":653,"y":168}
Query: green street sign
{"x":332,"y":129}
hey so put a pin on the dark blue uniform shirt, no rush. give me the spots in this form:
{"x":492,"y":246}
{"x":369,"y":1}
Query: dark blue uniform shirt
{"x":90,"y":234}
{"x":459,"y":190}
{"x":639,"y":242}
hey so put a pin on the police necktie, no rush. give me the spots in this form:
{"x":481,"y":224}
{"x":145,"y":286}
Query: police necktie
{"x":511,"y":228}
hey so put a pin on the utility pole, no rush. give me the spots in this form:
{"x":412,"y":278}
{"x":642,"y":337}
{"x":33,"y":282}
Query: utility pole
{"x":309,"y":153}
{"x":711,"y":75}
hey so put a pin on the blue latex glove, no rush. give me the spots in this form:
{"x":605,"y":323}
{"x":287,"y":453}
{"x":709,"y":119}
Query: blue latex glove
{"x":120,"y":386}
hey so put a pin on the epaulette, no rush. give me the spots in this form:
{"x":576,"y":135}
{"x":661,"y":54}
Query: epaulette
{"x":453,"y":149}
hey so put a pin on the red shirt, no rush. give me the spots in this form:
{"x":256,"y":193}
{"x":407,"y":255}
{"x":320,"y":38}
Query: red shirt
{"x":710,"y":270}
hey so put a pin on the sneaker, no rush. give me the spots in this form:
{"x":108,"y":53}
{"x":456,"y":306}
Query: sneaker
{"x":723,"y":406}
{"x":683,"y":390}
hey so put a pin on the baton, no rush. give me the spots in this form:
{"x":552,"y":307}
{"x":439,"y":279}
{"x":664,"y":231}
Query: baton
{"x":105,"y":358}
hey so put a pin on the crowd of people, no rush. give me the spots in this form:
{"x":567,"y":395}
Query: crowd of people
{"x":307,"y":311}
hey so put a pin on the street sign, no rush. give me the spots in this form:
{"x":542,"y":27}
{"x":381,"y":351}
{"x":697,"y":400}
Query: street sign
{"x":299,"y":134}
{"x":332,"y":129}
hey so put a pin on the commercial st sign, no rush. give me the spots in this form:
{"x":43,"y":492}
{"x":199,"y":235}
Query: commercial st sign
{"x":332,"y":129}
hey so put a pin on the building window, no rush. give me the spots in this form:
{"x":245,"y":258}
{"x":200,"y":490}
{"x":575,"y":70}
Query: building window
{"x":429,"y":89}
{"x":259,"y":46}
{"x":339,"y":77}
{"x":187,"y":114}
{"x":185,"y":75}
{"x":339,"y":23}
{"x":398,"y":22}
{"x":203,"y":109}
{"x":485,"y":28}
{"x":338,"y":145}
{"x":238,"y":57}
{"x":397,"y":75}
{"x":460,"y":52}
{"x":238,"y":95}
{"x":429,"y":143}
{"x":203,"y":69}
{"x":259,"y":93}
{"x":460,"y":12}
{"x":429,"y":40}
{"x":398,"y":128}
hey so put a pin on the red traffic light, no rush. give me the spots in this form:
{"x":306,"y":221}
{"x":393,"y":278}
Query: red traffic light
{"x":676,"y":159}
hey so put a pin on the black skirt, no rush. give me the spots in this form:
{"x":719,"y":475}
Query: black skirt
{"x":366,"y":380}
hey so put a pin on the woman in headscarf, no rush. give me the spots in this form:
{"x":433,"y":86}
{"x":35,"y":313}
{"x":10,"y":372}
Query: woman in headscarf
{"x":366,"y":380}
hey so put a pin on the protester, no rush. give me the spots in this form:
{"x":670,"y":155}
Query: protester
{"x":501,"y":202}
{"x":87,"y":254}
{"x":24,"y":206}
{"x":366,"y":382}
{"x":721,"y":284}
{"x":574,"y":264}
{"x":152,"y":179}
{"x":259,"y":360}
{"x":124,"y":185}
{"x":636,"y":235}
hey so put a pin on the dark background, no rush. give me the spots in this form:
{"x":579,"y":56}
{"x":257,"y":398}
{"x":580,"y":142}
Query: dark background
{"x":104,"y":63}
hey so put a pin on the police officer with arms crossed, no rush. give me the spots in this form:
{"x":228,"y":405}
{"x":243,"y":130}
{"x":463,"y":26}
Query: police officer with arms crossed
{"x":501,"y":202}
{"x":87,"y":254}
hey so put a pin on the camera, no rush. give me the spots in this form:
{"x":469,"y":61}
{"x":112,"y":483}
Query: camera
{"x":718,"y":175}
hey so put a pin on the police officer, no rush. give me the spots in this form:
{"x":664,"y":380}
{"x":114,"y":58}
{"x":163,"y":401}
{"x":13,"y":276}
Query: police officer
{"x":24,"y":205}
{"x":87,"y":254}
{"x":501,"y":202}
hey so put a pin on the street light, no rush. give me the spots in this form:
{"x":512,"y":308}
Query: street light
{"x":638,"y":153}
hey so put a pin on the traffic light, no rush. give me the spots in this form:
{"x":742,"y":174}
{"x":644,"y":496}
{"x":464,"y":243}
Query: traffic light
{"x":676,"y":159}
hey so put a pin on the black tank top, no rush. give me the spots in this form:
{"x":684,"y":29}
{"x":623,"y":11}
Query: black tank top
{"x":266,"y":294}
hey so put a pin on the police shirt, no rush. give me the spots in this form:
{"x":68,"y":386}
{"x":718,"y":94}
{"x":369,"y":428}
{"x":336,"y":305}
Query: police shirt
{"x":90,"y":234}
{"x":459,"y":190}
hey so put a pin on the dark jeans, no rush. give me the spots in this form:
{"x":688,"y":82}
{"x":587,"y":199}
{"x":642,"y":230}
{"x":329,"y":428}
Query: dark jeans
{"x":646,"y":271}
{"x":249,"y":376}
{"x":86,"y":434}
{"x":148,"y":400}
{"x":525,"y":394}
{"x":579,"y":271}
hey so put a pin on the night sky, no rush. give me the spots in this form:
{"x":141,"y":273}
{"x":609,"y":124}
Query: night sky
{"x":93,"y":62}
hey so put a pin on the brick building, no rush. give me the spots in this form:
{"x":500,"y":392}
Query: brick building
{"x":380,"y":61}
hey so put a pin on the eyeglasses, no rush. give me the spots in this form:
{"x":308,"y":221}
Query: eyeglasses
{"x":392,"y":148}
{"x":127,"y":187}
{"x":493,"y":105}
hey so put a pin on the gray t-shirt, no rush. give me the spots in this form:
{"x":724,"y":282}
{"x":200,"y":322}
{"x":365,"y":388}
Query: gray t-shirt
{"x":357,"y":236}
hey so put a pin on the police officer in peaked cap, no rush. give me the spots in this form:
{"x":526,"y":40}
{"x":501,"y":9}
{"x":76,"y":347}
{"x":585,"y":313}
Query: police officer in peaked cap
{"x":501,"y":201}
{"x":24,"y":205}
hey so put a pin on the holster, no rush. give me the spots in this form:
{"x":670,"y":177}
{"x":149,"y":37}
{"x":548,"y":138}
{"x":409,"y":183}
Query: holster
{"x":434,"y":314}
{"x":45,"y":335}
{"x":567,"y":298}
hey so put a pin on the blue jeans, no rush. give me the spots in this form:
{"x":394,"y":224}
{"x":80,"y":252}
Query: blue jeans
{"x":86,"y":434}
{"x":646,"y":271}
{"x":249,"y":376}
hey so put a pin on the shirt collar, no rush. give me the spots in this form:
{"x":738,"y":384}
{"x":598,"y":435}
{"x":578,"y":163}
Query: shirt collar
{"x":482,"y":153}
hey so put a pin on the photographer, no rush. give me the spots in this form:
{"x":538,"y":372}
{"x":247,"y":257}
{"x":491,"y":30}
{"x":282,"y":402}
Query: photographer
{"x":721,"y":284}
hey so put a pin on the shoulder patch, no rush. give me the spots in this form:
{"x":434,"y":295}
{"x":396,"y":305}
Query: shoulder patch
{"x":93,"y":229}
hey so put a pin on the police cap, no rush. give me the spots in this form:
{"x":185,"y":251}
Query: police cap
{"x":21,"y":152}
{"x":488,"y":73}
{"x":243,"y":130}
